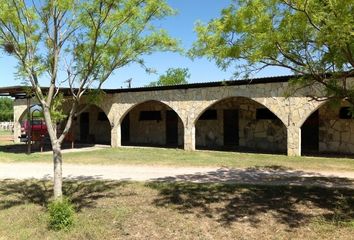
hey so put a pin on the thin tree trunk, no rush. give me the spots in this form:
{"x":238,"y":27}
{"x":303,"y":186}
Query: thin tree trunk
{"x":57,"y":156}
{"x":58,"y":176}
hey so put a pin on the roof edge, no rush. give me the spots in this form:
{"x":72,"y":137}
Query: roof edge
{"x":14,"y":91}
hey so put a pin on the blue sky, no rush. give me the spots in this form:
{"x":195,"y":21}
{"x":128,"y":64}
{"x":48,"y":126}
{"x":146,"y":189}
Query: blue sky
{"x":180,"y":27}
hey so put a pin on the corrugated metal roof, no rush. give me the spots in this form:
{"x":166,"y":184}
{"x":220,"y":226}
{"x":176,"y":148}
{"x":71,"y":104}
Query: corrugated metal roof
{"x":20,"y":91}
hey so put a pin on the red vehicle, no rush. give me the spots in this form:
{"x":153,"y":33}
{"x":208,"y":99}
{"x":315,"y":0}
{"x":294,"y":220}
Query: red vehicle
{"x":37,"y":127}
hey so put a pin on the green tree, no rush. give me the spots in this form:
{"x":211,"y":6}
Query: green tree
{"x":85,"y":41}
{"x":173,"y":76}
{"x":6,"y":109}
{"x":312,"y":38}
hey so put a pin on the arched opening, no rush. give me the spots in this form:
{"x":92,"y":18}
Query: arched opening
{"x":36,"y":108}
{"x":152,"y":123}
{"x":32,"y":123}
{"x":91,"y":126}
{"x":328,"y":130}
{"x":240,"y":124}
{"x":30,"y":128}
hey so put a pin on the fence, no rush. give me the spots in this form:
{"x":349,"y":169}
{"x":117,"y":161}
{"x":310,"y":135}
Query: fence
{"x":6,"y":126}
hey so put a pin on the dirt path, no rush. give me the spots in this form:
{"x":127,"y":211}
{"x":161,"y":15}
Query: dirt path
{"x":190,"y":174}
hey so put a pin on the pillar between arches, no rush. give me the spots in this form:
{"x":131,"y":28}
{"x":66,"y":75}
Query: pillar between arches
{"x":116,"y":136}
{"x":189,"y":137}
{"x":294,"y":141}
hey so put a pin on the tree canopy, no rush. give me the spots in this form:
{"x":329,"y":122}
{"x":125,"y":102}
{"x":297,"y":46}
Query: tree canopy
{"x":173,"y":76}
{"x":6,"y":110}
{"x":312,"y":38}
{"x":78,"y":44}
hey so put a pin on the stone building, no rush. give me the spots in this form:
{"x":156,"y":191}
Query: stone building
{"x":246,"y":115}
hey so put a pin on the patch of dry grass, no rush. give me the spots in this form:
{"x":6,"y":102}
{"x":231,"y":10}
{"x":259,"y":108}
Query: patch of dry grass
{"x":180,"y":158}
{"x":124,"y":210}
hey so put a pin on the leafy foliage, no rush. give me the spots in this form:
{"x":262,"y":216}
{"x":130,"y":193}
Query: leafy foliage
{"x":56,"y":110}
{"x":61,"y":214}
{"x":312,"y":38}
{"x":173,"y":76}
{"x":6,"y":110}
{"x":85,"y":41}
{"x":78,"y":44}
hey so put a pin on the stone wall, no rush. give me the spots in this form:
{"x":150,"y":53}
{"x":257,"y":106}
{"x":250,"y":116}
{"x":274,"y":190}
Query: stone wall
{"x":151,"y":132}
{"x":335,"y":135}
{"x":189,"y":103}
{"x":256,"y":135}
{"x":99,"y":131}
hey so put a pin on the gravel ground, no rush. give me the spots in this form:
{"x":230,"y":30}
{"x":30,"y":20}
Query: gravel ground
{"x":191,"y":174}
{"x":113,"y":172}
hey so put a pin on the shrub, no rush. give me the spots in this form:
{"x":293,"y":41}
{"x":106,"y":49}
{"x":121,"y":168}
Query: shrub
{"x":61,"y":214}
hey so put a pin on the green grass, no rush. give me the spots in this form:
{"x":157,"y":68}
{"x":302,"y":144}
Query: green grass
{"x":179,"y":158}
{"x":5,"y":133}
{"x":173,"y":157}
{"x":126,"y":210}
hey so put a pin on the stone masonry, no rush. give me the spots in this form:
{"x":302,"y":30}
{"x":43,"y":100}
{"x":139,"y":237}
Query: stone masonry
{"x":189,"y":103}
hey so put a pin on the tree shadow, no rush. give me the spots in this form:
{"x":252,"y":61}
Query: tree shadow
{"x":82,"y":193}
{"x":289,"y":200}
{"x":271,"y":175}
{"x":36,"y":148}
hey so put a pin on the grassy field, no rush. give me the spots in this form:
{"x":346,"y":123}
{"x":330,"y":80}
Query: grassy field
{"x":3,"y":133}
{"x":175,"y":157}
{"x":122,"y":210}
{"x":129,"y":210}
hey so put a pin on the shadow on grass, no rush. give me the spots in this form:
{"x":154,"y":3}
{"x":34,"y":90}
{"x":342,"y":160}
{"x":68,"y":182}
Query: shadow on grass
{"x":83,"y":194}
{"x":271,"y":175}
{"x":247,"y":195}
{"x":293,"y":206}
{"x":22,"y":147}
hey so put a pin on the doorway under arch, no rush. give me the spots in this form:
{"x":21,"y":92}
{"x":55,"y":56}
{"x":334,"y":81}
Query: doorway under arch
{"x":91,"y":126}
{"x":328,"y":130}
{"x":240,"y":124}
{"x":152,"y":123}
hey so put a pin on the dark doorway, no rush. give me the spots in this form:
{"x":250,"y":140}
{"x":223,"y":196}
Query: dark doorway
{"x":171,"y":128}
{"x":231,"y":135}
{"x":125,"y":130}
{"x":84,"y":126}
{"x":310,"y":134}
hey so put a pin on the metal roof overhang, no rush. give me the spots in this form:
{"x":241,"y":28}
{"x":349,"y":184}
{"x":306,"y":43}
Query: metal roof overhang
{"x":19,"y":92}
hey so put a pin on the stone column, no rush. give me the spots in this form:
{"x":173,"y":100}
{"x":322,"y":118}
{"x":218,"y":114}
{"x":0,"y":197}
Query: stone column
{"x":294,"y":141}
{"x":116,"y":136}
{"x":189,"y":137}
{"x":17,"y":131}
{"x":20,"y":106}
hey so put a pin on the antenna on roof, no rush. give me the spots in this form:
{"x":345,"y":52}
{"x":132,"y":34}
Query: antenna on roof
{"x":129,"y":81}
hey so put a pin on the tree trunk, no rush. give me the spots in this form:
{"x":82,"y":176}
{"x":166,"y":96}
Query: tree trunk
{"x":57,"y":156}
{"x":58,"y":177}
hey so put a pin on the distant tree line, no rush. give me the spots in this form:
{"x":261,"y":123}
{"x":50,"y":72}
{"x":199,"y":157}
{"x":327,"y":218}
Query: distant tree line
{"x":173,"y":76}
{"x":6,"y":110}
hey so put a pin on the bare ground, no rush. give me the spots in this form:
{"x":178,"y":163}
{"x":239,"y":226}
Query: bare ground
{"x":273,"y":175}
{"x":179,"y":210}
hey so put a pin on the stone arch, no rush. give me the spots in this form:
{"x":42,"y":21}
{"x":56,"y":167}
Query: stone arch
{"x":104,"y":105}
{"x":240,"y":123}
{"x":100,"y":106}
{"x":327,"y":130}
{"x":310,"y":109}
{"x":271,"y":104}
{"x":155,"y":123}
{"x":126,"y":108}
{"x":24,"y":111}
{"x":92,"y":125}
{"x":20,"y":111}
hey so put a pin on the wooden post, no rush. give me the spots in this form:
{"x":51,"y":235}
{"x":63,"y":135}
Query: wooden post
{"x":29,"y":130}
